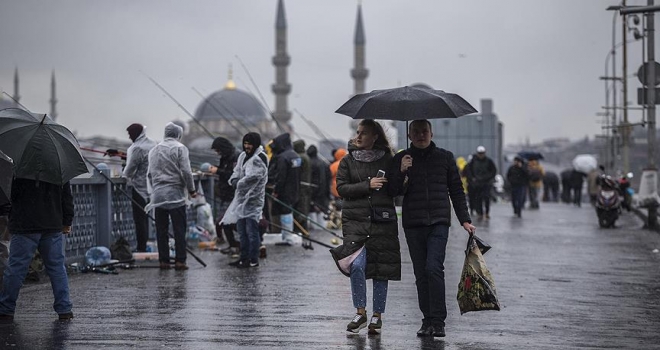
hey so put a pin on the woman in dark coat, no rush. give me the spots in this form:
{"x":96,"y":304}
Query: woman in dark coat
{"x":369,"y":223}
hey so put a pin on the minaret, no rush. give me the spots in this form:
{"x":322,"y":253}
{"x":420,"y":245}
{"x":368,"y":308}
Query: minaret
{"x":53,"y":99}
{"x":17,"y":96}
{"x":359,"y":72}
{"x":281,"y":61}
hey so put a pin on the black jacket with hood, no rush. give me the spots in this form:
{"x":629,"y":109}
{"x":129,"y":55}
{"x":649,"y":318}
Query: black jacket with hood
{"x":284,"y":174}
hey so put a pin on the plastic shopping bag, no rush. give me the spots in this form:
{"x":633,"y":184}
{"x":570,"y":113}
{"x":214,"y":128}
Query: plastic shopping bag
{"x":476,"y":290}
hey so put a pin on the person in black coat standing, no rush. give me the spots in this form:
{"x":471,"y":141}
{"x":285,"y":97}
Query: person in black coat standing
{"x":518,"y":178}
{"x":480,"y":174}
{"x":284,"y":171}
{"x":224,"y":192}
{"x":427,"y":177}
{"x":321,"y":179}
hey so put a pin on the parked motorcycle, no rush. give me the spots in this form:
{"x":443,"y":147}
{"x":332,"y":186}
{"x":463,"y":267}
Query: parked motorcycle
{"x":608,"y":202}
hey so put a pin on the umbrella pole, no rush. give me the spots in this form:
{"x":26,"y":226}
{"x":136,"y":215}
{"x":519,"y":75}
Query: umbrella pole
{"x":138,"y":204}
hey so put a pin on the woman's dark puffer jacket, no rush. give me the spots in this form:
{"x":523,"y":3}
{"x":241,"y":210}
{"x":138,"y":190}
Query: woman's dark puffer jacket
{"x":379,"y":239}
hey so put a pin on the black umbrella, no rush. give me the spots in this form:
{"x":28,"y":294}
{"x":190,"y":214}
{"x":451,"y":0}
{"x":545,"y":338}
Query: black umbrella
{"x":41,"y":149}
{"x":530,"y":155}
{"x":406,"y":103}
{"x":6,"y":175}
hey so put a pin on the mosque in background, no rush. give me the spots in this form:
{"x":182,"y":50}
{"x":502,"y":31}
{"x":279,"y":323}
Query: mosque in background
{"x":15,"y":101}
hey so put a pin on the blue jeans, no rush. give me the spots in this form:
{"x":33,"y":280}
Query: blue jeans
{"x":359,"y":285}
{"x":248,"y":231}
{"x":518,"y":198}
{"x":427,"y":251}
{"x":21,"y":252}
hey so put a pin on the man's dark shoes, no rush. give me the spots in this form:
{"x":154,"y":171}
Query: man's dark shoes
{"x":164,"y":266}
{"x":180,"y":266}
{"x":426,"y":330}
{"x":6,"y":318}
{"x":236,"y":263}
{"x":438,"y":331}
{"x":65,"y":317}
{"x":225,"y":250}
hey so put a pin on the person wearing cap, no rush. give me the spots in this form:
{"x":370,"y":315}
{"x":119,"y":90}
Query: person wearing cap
{"x":427,"y":177}
{"x":135,"y":172}
{"x":170,"y":181}
{"x":480,"y":174}
{"x":224,"y":192}
{"x":518,"y":178}
{"x":249,"y":179}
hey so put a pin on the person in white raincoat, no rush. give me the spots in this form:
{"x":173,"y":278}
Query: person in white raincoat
{"x":170,"y":180}
{"x":249,"y":178}
{"x":137,"y":162}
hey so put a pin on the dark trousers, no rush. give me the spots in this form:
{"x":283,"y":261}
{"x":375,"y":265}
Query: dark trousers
{"x":221,"y":207}
{"x":518,"y":198}
{"x":141,"y":221}
{"x":577,"y":196}
{"x":178,"y":216}
{"x":427,"y":251}
{"x":482,"y":199}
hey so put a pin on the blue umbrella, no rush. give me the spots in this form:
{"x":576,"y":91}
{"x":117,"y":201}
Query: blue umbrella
{"x":530,"y":155}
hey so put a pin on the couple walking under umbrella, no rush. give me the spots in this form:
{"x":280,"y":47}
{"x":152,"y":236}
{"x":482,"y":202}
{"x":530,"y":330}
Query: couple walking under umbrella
{"x":427,"y":177}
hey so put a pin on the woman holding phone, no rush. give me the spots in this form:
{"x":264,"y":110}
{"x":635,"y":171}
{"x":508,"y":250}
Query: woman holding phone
{"x":369,"y":224}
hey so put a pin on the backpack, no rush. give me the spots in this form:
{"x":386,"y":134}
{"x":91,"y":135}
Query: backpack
{"x":121,"y":250}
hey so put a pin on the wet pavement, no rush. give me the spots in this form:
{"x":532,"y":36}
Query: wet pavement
{"x":563,"y":283}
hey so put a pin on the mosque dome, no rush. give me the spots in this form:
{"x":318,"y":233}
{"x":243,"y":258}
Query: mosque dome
{"x":231,"y":103}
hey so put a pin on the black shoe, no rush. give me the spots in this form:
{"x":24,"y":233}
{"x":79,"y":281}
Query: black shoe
{"x":359,"y":321}
{"x":253,"y":264}
{"x":426,"y":330}
{"x":6,"y":318}
{"x":65,"y":317}
{"x":438,"y":331}
{"x":237,"y":263}
{"x":226,"y":250}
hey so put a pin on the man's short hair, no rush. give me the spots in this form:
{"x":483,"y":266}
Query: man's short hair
{"x":419,"y":121}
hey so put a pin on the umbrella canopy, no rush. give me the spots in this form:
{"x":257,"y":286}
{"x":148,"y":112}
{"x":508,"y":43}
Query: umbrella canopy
{"x":406,"y":103}
{"x":41,"y":149}
{"x":529,"y":155}
{"x":6,"y":175}
{"x":585,"y":163}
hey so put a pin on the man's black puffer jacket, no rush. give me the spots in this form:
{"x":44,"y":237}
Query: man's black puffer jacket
{"x":432,"y":180}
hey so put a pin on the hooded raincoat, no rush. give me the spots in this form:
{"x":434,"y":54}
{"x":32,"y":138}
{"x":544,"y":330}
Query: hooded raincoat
{"x":169,"y":177}
{"x":137,"y":163}
{"x":251,"y":175}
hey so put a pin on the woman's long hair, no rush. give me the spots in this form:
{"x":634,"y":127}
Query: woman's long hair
{"x":381,"y":142}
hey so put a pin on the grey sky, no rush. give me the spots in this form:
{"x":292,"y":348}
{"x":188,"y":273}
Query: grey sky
{"x":538,"y":60}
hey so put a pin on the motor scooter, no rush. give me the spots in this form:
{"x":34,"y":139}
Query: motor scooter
{"x":608,"y":202}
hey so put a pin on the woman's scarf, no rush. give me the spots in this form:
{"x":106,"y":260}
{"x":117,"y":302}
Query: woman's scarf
{"x":368,"y":155}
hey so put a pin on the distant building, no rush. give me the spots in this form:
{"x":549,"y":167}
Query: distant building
{"x":463,"y":135}
{"x":15,"y":100}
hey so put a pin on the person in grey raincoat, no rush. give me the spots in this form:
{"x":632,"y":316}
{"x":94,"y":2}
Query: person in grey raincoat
{"x":369,"y":223}
{"x":137,"y":162}
{"x":249,"y":178}
{"x":170,"y":181}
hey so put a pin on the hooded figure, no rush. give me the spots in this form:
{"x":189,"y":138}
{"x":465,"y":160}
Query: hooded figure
{"x":284,"y":175}
{"x":249,"y":177}
{"x":321,"y":178}
{"x":305,"y":196}
{"x":137,"y":164}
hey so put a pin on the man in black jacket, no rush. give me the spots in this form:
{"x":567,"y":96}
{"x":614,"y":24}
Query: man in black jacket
{"x":427,"y":185}
{"x":41,"y":214}
{"x":224,"y":192}
{"x":480,"y":174}
{"x":518,"y":178}
{"x":284,"y":177}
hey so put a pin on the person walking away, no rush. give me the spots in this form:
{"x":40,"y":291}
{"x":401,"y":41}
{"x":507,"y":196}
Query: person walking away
{"x":137,"y":164}
{"x":171,"y":181}
{"x":566,"y":186}
{"x":577,"y":181}
{"x":536,"y":174}
{"x":518,"y":178}
{"x":428,"y":178}
{"x":481,"y":172}
{"x":284,"y":176}
{"x":224,"y":192}
{"x":550,"y":187}
{"x":246,"y":209}
{"x":41,"y":214}
{"x":321,"y":179}
{"x":369,"y":224}
{"x":593,"y":184}
{"x":305,"y":196}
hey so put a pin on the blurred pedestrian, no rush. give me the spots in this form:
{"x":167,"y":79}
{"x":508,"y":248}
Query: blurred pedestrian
{"x":137,"y":164}
{"x":577,"y":182}
{"x":428,"y":178}
{"x":536,"y":173}
{"x":41,"y":214}
{"x":224,"y":192}
{"x":518,"y":178}
{"x":171,"y":181}
{"x":305,"y":194}
{"x":284,"y":176}
{"x":565,"y":177}
{"x":249,"y":178}
{"x":369,"y":223}
{"x":339,"y":154}
{"x":480,"y":172}
{"x":593,"y":186}
{"x":550,"y":187}
{"x":321,"y":179}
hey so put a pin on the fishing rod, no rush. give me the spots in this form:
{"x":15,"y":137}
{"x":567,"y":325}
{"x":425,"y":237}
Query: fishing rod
{"x":13,"y":99}
{"x":300,"y":235}
{"x":139,"y":206}
{"x":318,"y":132}
{"x":302,"y":215}
{"x":222,"y":116}
{"x":279,"y":125}
{"x":179,"y":104}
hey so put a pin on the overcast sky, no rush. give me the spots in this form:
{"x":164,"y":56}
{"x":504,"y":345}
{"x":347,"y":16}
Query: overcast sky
{"x":538,"y":60}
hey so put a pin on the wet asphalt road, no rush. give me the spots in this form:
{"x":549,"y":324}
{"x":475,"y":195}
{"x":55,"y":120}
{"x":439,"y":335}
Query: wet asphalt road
{"x":563,"y":284}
